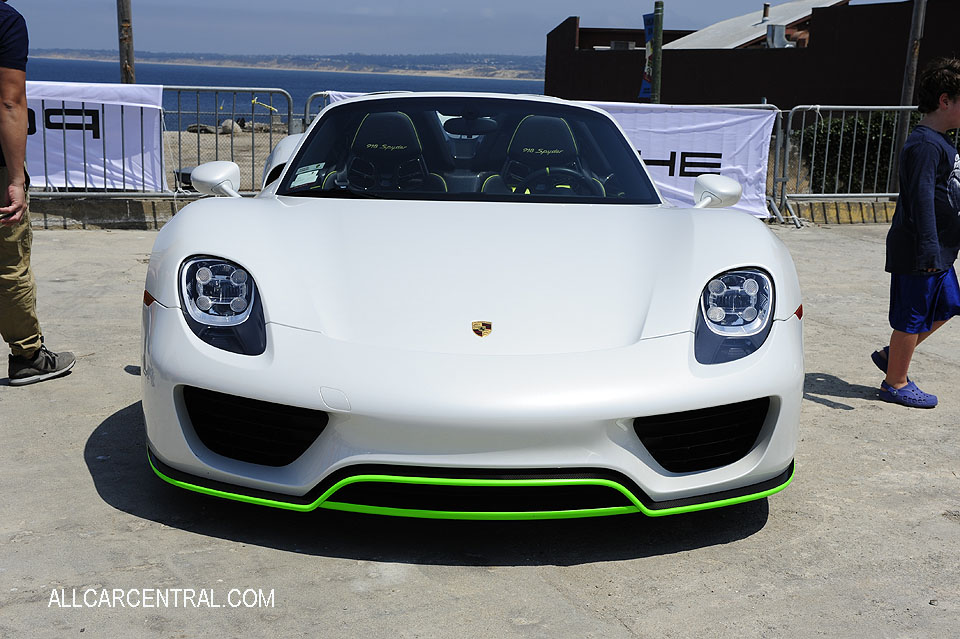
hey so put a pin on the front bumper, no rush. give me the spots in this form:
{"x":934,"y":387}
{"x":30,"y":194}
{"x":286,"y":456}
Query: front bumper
{"x":429,"y":419}
{"x":329,"y":494}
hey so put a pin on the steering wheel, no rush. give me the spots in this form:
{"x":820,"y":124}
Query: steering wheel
{"x":547,"y":181}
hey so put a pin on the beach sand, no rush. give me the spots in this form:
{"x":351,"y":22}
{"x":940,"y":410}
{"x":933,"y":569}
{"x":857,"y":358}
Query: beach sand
{"x":248,"y":149}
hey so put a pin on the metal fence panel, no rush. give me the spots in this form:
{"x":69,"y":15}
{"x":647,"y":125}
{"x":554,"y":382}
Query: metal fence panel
{"x":323,"y":97}
{"x":192,"y":133}
{"x":838,"y":152}
{"x":81,"y":172}
{"x":240,"y":124}
{"x":817,"y":151}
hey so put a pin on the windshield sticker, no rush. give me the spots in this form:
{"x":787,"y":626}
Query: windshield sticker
{"x":309,"y":167}
{"x":306,"y":177}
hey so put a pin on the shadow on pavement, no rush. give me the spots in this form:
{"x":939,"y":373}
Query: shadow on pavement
{"x":815,"y":385}
{"x":116,"y":456}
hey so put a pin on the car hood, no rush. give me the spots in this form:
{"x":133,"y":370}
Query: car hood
{"x":416,"y":275}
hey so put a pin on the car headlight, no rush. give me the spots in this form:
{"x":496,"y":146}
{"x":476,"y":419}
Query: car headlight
{"x":736,"y":308}
{"x":221,"y":305}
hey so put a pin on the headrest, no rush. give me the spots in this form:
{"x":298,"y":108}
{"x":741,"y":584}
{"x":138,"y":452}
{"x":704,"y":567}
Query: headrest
{"x":542,"y":140}
{"x":386,"y":136}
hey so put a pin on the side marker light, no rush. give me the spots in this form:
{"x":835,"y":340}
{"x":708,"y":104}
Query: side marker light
{"x":148,"y":299}
{"x":799,"y":312}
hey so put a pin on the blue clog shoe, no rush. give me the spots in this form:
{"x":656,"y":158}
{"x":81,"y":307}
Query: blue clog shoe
{"x":909,"y":395}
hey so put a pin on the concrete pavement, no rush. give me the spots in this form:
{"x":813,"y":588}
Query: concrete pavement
{"x":865,"y":542}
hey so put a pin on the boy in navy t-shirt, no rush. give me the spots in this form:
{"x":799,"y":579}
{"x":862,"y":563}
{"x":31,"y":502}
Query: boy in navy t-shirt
{"x":924,"y":236}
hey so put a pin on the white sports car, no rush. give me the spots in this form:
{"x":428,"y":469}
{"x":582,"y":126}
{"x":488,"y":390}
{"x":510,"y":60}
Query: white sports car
{"x":469,"y":306}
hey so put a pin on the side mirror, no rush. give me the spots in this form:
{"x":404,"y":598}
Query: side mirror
{"x":715,"y":191}
{"x":217,"y":178}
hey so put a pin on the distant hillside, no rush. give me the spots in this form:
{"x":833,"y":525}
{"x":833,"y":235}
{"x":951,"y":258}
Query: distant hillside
{"x":461,"y":64}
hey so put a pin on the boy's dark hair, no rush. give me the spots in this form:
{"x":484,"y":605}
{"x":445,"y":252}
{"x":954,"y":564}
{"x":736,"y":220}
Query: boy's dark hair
{"x":940,"y":76}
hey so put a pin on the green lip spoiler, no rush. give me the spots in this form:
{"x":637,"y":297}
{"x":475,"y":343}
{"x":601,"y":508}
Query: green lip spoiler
{"x":328,"y":498}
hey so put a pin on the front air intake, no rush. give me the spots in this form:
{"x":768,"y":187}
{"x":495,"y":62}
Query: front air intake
{"x":251,"y":430}
{"x":696,"y":440}
{"x":409,"y":496}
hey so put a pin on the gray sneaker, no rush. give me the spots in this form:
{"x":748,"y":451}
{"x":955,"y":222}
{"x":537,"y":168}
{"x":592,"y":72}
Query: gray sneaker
{"x":43,"y":365}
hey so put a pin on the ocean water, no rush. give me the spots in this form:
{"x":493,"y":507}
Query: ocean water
{"x":299,"y":84}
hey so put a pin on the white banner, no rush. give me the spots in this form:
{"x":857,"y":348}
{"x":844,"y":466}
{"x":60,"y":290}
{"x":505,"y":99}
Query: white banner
{"x":95,"y":136}
{"x":337,"y":96}
{"x":678,"y":143}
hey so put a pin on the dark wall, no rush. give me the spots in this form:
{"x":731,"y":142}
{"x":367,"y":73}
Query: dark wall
{"x":856,"y":56}
{"x":574,"y":69}
{"x":783,"y":77}
{"x":613,"y":76}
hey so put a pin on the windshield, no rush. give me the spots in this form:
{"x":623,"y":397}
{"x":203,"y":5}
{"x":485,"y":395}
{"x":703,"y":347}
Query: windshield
{"x":468,"y":148}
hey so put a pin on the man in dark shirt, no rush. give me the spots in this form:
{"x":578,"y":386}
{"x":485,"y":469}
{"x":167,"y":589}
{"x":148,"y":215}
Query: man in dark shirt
{"x":924,"y":236}
{"x":29,"y":359}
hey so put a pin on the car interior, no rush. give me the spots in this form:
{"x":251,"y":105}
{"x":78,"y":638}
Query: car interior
{"x":493,"y":149}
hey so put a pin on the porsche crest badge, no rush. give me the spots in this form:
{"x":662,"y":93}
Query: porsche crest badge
{"x":482,"y":329}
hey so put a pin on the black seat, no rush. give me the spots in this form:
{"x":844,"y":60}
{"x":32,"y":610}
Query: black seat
{"x":386,"y":155}
{"x":542,"y":157}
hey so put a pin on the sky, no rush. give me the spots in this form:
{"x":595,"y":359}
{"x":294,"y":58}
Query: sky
{"x":301,"y":27}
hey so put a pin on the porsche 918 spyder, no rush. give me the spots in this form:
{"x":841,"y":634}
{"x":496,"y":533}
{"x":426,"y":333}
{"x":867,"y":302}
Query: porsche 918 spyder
{"x":469,"y":306}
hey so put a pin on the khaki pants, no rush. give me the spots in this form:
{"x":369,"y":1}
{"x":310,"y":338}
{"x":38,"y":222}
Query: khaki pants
{"x":19,"y":325}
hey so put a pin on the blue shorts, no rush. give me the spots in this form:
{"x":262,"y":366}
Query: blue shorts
{"x":918,"y":300}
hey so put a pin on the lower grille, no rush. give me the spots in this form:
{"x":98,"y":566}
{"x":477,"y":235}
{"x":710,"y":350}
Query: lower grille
{"x":702,"y":439}
{"x":251,"y":430}
{"x":480,"y":498}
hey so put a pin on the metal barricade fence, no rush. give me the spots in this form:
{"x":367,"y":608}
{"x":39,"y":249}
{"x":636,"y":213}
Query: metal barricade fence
{"x":81,"y":174}
{"x":240,"y":124}
{"x":308,"y":115}
{"x":817,"y":151}
{"x":195,"y":128}
{"x":835,"y":152}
